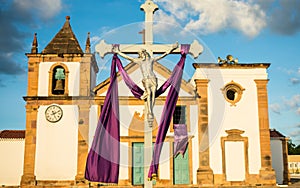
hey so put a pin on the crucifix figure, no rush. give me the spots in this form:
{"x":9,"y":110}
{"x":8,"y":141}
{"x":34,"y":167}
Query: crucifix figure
{"x":145,"y":61}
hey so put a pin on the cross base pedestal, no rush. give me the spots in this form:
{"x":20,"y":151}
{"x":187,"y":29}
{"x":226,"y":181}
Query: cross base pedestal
{"x":205,"y":176}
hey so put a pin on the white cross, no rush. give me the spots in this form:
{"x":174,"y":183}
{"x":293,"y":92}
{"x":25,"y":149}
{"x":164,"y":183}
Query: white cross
{"x":103,"y":48}
{"x":149,"y":8}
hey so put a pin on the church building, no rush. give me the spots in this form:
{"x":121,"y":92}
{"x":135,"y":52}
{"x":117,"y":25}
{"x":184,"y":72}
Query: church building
{"x":224,"y":107}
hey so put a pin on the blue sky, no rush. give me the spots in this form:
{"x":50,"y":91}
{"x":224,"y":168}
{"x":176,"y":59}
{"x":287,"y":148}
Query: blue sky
{"x":253,"y":31}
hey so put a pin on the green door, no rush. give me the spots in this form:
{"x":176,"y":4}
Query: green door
{"x":181,"y":169}
{"x":138,"y":163}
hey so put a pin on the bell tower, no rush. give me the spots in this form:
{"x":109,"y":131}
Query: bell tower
{"x":60,"y":80}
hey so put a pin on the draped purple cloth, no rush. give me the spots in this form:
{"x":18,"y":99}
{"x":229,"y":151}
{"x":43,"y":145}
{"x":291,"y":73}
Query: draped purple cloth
{"x":180,"y":139}
{"x":135,"y":89}
{"x":102,"y":163}
{"x":168,"y":111}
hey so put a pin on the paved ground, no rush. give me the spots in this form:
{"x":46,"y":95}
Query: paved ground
{"x":295,"y":181}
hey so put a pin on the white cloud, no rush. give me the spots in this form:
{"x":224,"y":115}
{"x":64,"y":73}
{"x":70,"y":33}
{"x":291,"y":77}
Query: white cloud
{"x":275,"y":108}
{"x":164,"y":23}
{"x":286,"y":71}
{"x":292,"y":73}
{"x":17,"y":17}
{"x":206,"y":16}
{"x":45,"y":8}
{"x":295,"y":81}
{"x":295,"y":133}
{"x":180,"y":8}
{"x":293,"y":103}
{"x":95,"y":39}
{"x":283,"y":16}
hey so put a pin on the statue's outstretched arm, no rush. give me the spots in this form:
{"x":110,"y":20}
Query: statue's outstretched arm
{"x":174,"y":46}
{"x":116,"y":50}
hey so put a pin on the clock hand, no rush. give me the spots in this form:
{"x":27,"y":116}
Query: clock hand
{"x":53,"y":113}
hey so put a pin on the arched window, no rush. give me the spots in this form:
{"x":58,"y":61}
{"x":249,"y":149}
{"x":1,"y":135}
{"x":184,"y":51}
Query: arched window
{"x":58,"y":79}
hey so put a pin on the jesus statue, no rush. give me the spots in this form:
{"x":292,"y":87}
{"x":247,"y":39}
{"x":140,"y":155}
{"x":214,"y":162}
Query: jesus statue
{"x":145,"y":61}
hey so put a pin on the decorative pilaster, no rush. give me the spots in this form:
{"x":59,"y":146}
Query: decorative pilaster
{"x":267,"y":174}
{"x":85,"y":75}
{"x":28,"y":177}
{"x":204,"y":173}
{"x":33,"y":74}
{"x":83,"y":130}
{"x":286,"y":174}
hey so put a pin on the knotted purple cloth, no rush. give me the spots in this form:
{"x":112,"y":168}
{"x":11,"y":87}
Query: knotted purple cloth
{"x":180,"y":139}
{"x":102,"y":163}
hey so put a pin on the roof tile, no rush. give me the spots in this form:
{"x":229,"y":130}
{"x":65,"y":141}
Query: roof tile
{"x":274,"y":133}
{"x":64,"y":42}
{"x":12,"y":134}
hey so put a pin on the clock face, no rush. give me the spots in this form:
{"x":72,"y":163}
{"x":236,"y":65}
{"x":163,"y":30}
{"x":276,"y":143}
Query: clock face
{"x":53,"y":113}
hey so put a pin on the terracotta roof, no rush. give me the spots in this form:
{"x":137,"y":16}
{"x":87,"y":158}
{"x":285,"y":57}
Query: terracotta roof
{"x":276,"y":134}
{"x":12,"y":134}
{"x":64,"y":42}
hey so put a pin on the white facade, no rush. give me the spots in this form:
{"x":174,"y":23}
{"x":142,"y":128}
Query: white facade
{"x":56,"y":145}
{"x":11,"y":161}
{"x":225,"y":116}
{"x":235,"y":161}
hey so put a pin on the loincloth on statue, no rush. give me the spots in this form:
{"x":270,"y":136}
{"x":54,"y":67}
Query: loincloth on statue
{"x":149,"y":82}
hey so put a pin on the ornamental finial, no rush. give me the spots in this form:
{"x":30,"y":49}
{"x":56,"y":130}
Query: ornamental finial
{"x":88,"y":44}
{"x":34,"y":48}
{"x":229,"y":60}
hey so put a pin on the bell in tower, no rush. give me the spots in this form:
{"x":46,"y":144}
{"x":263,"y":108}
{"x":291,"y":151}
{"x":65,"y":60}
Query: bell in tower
{"x":59,"y":86}
{"x":59,"y":81}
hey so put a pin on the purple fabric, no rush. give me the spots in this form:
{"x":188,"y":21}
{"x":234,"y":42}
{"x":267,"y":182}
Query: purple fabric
{"x":168,"y":111}
{"x":180,"y":139}
{"x":135,"y":89}
{"x":185,"y":48}
{"x":102,"y":163}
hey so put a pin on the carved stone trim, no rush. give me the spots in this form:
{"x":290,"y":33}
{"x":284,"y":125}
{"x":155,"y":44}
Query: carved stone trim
{"x":234,"y":135}
{"x":232,"y":92}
